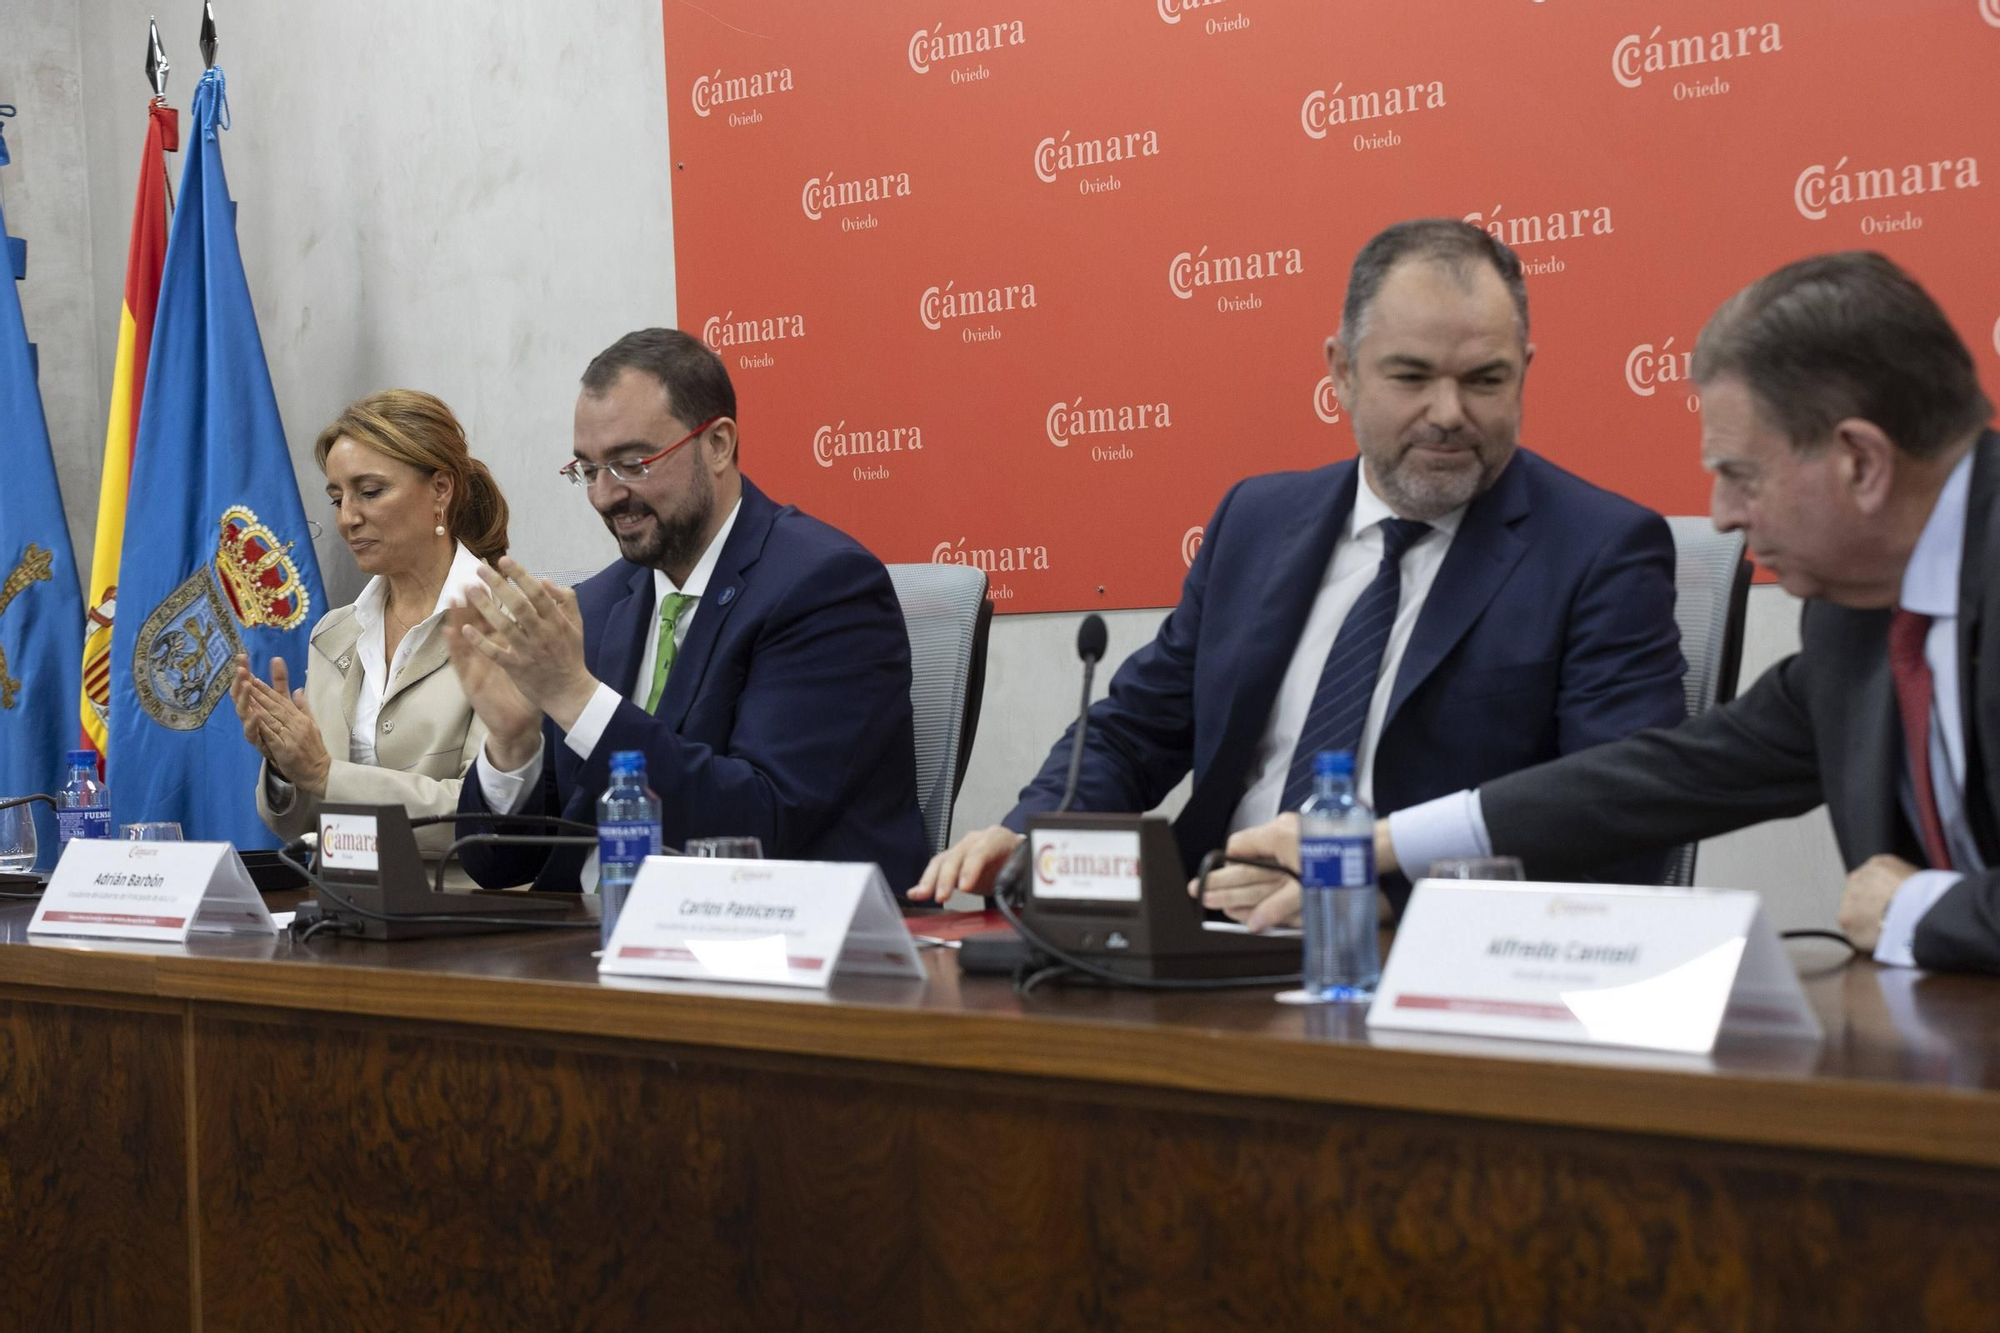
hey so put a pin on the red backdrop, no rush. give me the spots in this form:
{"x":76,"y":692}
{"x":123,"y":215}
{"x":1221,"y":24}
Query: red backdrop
{"x":1031,"y":284}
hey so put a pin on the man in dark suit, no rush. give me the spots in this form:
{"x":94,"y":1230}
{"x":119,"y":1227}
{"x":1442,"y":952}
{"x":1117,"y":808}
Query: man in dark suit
{"x":755,"y":655}
{"x":1844,"y":424}
{"x":1450,"y":605}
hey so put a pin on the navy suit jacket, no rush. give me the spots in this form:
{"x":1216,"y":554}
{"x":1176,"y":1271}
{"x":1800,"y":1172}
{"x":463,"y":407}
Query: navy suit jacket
{"x":786,"y":715}
{"x":1550,"y":628}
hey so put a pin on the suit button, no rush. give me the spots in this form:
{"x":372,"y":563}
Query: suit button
{"x":388,"y":727}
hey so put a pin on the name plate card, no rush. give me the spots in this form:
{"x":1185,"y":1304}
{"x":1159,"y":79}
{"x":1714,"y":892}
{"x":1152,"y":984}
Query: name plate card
{"x":783,"y":923}
{"x":1656,"y":969}
{"x":104,"y":889}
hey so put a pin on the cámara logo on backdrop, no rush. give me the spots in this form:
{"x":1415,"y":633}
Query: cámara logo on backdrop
{"x":724,"y":332}
{"x":1990,"y":11}
{"x":1649,"y":367}
{"x":1635,"y":57}
{"x":1326,"y":402}
{"x":934,"y":46}
{"x":869,"y":446}
{"x":1191,"y":544}
{"x":824,"y":194}
{"x":1054,"y":156}
{"x":1820,"y":189}
{"x":1066,"y":421}
{"x":1324,"y":112}
{"x":1191,"y":271}
{"x":1173,"y":11}
{"x":717,"y":90}
{"x":939,"y":306}
{"x":1529,"y":229}
{"x":993,"y":560}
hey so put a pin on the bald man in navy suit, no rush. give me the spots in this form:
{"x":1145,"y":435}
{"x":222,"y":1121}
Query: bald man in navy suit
{"x":1447,"y":605}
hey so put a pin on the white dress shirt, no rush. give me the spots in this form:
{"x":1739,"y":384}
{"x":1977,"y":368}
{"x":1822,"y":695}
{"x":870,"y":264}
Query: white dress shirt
{"x":1454,"y":825}
{"x":377,"y":674}
{"x":1356,"y":558}
{"x":507,"y":791}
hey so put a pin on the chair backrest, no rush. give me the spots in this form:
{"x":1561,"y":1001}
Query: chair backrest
{"x":1712,"y":594}
{"x":948,"y":617}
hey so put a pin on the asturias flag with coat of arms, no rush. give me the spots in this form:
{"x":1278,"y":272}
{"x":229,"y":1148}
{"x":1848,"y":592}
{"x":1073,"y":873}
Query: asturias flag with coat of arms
{"x":39,"y":605}
{"x":217,"y":555}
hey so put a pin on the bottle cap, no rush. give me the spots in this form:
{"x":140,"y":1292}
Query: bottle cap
{"x":627,"y":761}
{"x":1330,"y":763}
{"x":81,"y":757}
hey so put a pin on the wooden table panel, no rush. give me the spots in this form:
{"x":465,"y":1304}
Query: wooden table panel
{"x":1130,"y":1218}
{"x":93,"y":1166}
{"x":475,"y":1183}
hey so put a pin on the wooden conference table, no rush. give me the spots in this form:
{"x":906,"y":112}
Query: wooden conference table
{"x":476,"y":1134}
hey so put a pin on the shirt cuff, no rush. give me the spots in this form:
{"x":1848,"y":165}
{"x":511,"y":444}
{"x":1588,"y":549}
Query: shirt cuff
{"x":506,"y":792}
{"x":1450,"y":826}
{"x":591,"y":722}
{"x":1918,"y":895}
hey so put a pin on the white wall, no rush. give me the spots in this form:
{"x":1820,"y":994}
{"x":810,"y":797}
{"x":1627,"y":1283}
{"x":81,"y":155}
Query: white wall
{"x":474,"y":199}
{"x":48,"y":203}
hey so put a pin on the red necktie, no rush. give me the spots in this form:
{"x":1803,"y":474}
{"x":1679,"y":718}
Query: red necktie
{"x":1912,"y":675}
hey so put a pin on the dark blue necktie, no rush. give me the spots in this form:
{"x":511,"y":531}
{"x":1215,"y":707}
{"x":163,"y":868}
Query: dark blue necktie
{"x":1347,"y":681}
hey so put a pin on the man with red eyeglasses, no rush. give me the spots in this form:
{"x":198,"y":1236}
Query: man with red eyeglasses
{"x":757,"y":656}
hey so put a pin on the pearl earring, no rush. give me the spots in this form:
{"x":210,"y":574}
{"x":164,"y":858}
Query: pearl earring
{"x":439,"y":529}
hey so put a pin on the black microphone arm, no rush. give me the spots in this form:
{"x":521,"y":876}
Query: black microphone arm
{"x":1090,"y":642}
{"x":1091,"y":639}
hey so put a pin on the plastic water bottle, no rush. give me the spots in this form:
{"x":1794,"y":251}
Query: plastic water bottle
{"x":628,"y":831}
{"x":1337,"y":882}
{"x":83,"y":806}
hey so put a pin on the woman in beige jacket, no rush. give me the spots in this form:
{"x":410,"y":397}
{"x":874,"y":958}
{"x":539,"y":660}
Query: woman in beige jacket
{"x":381,"y":719}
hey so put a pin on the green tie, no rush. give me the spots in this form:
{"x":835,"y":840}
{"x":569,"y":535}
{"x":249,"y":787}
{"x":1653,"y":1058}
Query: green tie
{"x":671,"y":608}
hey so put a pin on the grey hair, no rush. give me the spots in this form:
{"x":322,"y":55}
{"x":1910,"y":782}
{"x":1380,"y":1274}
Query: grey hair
{"x":1841,"y":336}
{"x":1448,"y":241}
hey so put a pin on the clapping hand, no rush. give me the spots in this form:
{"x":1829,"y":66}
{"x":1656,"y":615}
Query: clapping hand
{"x":277,"y":721}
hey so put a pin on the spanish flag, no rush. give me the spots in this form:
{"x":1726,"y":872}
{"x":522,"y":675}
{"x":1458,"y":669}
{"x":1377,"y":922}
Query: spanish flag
{"x":143,"y":261}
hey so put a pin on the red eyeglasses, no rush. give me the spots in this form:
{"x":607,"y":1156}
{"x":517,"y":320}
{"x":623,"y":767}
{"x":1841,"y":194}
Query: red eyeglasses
{"x":628,"y":471}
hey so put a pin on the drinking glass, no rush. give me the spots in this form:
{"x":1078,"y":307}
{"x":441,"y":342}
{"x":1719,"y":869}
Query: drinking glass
{"x":1478,"y":867}
{"x":164,"y":830}
{"x":738,"y":849}
{"x":17,"y":839}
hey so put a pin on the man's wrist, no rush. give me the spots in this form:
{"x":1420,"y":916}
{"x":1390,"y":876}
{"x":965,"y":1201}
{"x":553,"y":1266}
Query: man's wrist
{"x":509,"y":753}
{"x":568,"y":703}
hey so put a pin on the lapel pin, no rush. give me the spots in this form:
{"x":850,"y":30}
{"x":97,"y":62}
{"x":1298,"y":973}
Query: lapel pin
{"x":728,"y":596}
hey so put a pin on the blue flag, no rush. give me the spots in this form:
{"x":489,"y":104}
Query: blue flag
{"x":40,"y":607}
{"x":218,"y":559}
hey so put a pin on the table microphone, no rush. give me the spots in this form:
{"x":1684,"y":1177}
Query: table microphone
{"x":1091,"y":637}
